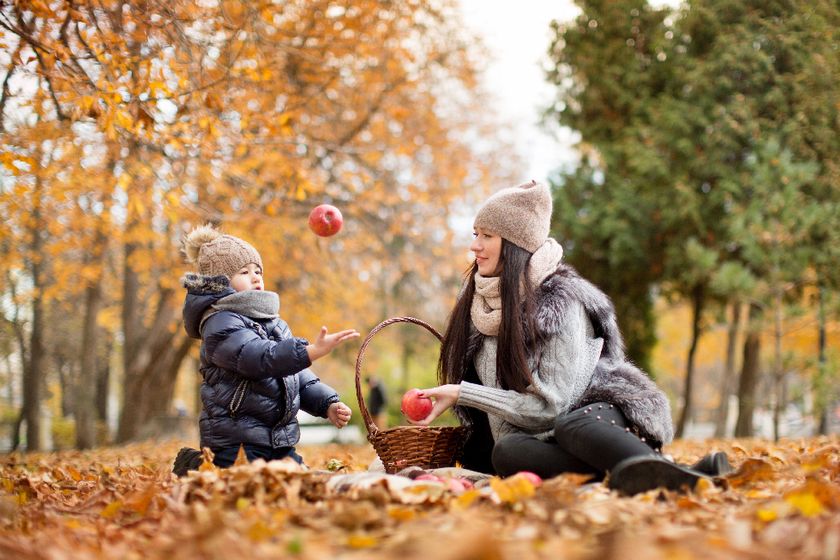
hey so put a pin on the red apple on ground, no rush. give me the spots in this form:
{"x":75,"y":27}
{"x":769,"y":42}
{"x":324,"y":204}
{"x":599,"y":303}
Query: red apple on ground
{"x":429,"y":478}
{"x":414,"y":406}
{"x":325,"y":220}
{"x":532,"y":477}
{"x":455,"y":485}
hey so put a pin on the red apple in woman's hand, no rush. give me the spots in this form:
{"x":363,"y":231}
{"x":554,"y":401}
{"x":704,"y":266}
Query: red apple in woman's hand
{"x":414,"y":406}
{"x":325,"y":220}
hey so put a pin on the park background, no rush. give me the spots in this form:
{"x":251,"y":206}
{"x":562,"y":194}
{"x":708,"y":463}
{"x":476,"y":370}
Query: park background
{"x":692,"y":150}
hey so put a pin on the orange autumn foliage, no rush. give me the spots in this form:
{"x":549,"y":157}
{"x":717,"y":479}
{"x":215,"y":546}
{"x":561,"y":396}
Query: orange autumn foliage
{"x":128,"y":122}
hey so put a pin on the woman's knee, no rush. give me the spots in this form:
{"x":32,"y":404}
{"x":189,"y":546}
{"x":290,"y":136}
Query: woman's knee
{"x":507,"y":454}
{"x":569,"y":427}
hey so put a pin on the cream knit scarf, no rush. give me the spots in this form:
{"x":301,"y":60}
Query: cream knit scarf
{"x":486,"y":310}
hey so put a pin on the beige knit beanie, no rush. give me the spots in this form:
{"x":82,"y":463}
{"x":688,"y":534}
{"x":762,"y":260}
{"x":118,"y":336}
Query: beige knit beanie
{"x":217,"y":253}
{"x":522,"y":215}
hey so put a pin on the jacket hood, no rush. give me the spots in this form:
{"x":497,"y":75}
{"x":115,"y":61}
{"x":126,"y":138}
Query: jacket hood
{"x":202,"y":292}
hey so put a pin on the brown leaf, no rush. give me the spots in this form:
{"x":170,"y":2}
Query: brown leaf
{"x":207,"y":463}
{"x":751,"y":470}
{"x":241,"y":457}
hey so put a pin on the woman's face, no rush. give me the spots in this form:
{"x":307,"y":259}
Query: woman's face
{"x":487,"y":247}
{"x":249,"y":277}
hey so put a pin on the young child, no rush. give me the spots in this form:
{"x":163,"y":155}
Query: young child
{"x":255,"y":372}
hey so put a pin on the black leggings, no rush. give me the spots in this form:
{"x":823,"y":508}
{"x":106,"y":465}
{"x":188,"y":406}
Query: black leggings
{"x":589,"y":440}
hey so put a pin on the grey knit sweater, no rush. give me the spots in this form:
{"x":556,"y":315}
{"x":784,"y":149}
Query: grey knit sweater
{"x":581,"y":361}
{"x":560,"y":376}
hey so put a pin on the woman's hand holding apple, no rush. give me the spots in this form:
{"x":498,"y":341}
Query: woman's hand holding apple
{"x":442,"y":397}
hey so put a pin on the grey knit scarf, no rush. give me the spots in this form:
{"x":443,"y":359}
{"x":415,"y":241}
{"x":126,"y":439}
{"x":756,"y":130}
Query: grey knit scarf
{"x":486,"y":309}
{"x":256,"y":304}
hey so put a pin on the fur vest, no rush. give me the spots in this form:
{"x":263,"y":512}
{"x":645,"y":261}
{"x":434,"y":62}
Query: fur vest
{"x":615,"y":380}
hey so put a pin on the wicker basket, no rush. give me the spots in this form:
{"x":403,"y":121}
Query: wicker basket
{"x":427,"y":447}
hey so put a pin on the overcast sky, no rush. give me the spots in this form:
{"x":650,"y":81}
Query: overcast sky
{"x":517,"y":36}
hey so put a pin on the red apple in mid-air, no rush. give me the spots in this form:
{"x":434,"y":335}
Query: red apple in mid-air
{"x":325,"y":220}
{"x":414,"y":406}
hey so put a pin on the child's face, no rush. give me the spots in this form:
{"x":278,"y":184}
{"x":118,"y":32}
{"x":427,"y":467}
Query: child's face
{"x":249,"y":277}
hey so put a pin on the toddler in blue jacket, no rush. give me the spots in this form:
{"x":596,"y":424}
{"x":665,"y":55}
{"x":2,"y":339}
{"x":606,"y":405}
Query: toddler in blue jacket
{"x":255,"y":374}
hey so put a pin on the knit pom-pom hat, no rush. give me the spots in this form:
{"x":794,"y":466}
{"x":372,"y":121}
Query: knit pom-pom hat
{"x":522,"y":215}
{"x":218,"y":254}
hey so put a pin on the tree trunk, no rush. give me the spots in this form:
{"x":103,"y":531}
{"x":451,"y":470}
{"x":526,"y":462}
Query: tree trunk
{"x":149,"y":378}
{"x":698,"y":298}
{"x":16,"y":429}
{"x":778,"y":373}
{"x":65,"y":381}
{"x":822,"y":400}
{"x":149,"y":389}
{"x":33,"y":383}
{"x":23,"y":350}
{"x":749,"y":374}
{"x":727,"y":383}
{"x":9,"y":397}
{"x":103,"y":378}
{"x":85,"y":401}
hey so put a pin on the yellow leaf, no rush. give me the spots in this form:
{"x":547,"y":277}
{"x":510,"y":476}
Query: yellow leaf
{"x":123,"y":120}
{"x":512,"y":489}
{"x":805,"y":503}
{"x":767,"y":514}
{"x":111,"y":509}
{"x":401,"y":513}
{"x":361,"y":541}
{"x":703,"y":486}
{"x":466,"y":499}
{"x":259,"y":531}
{"x":124,"y":181}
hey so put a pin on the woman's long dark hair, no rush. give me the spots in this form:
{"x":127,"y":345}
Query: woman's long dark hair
{"x":516,"y":331}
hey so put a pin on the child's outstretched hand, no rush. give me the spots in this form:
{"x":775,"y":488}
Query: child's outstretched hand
{"x":339,"y":414}
{"x":325,"y":342}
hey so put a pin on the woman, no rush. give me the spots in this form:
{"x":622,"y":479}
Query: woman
{"x":533,"y":361}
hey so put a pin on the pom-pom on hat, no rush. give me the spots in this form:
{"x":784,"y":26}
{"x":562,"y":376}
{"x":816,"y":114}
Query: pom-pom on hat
{"x":218,"y":254}
{"x":522,"y":215}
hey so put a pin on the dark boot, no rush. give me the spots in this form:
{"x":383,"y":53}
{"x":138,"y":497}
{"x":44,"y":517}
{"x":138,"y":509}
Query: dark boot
{"x":640,"y":474}
{"x":188,"y":459}
{"x":713,"y":464}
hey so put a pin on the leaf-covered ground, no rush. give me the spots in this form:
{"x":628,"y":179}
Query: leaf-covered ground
{"x":783,"y":501}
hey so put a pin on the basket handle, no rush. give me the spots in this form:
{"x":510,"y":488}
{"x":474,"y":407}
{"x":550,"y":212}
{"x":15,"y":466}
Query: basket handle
{"x":371,"y":427}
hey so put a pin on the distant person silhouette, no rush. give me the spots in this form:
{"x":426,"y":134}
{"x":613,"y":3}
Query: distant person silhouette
{"x":377,"y":402}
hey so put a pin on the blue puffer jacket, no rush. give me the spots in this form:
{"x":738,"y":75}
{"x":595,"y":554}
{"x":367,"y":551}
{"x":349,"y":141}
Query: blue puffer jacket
{"x":255,"y":373}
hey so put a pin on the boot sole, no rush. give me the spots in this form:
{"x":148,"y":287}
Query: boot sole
{"x":637,"y":475}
